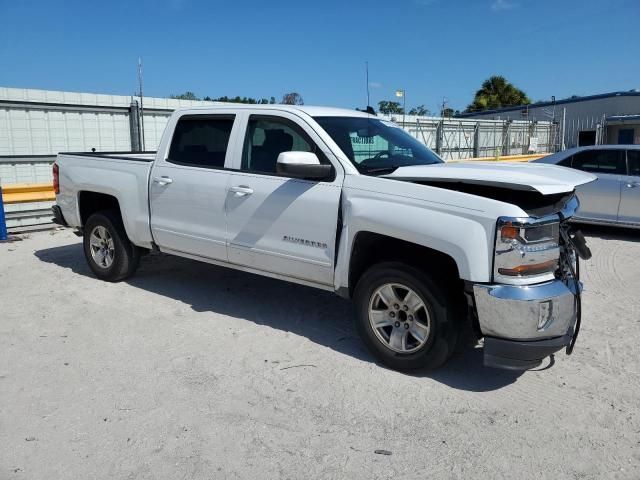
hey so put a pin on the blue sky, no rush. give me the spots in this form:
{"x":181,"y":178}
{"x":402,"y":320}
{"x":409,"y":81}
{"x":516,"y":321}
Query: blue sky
{"x":431,"y":48}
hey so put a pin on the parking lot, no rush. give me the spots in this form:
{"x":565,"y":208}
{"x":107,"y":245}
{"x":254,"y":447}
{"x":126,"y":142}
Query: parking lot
{"x":193,"y":371}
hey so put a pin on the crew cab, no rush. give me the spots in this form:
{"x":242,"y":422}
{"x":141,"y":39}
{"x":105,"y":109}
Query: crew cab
{"x":345,"y":201}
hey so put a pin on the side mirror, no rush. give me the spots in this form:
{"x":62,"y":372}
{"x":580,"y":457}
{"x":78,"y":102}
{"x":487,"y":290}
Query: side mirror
{"x":302,"y":165}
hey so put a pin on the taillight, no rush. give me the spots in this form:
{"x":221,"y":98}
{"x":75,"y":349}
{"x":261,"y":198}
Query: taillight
{"x":56,"y":178}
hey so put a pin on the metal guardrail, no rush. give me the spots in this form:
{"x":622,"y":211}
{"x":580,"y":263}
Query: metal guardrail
{"x":31,"y":206}
{"x":504,"y":158}
{"x":24,"y":192}
{"x":27,"y":170}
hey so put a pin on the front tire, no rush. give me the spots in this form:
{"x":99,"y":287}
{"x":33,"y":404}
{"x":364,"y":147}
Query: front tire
{"x":109,"y":253}
{"x":406,"y":320}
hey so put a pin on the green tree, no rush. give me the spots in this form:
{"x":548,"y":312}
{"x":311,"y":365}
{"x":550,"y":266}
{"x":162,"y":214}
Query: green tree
{"x":239,"y":99}
{"x":292,"y":98}
{"x":420,"y":110}
{"x":236,"y":99}
{"x":226,"y":99}
{"x":185,"y":96}
{"x":388,"y":107}
{"x":497,"y":92}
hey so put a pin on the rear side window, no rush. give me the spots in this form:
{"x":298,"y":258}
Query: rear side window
{"x":600,"y":161}
{"x":201,"y":141}
{"x":633,"y":157}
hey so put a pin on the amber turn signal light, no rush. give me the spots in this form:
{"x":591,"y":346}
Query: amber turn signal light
{"x":533,"y":269}
{"x":509,"y":232}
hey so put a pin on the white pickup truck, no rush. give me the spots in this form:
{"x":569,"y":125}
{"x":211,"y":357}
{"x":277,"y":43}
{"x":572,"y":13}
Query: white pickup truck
{"x":344,"y":201}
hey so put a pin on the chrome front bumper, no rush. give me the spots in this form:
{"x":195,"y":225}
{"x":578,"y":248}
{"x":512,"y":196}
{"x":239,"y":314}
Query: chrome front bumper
{"x":524,"y":324}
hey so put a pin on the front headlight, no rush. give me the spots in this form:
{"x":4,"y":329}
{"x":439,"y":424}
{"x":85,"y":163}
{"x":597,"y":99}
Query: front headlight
{"x":526,"y":252}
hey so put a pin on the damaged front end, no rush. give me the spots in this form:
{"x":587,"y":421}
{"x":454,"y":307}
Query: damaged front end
{"x":533,"y":307}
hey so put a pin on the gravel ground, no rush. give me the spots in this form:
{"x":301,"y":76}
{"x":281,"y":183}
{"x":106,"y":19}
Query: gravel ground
{"x":198,"y":372}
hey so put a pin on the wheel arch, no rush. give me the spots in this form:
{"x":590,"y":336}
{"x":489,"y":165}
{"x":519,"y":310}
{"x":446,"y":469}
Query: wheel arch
{"x":90,"y":202}
{"x":370,"y":248}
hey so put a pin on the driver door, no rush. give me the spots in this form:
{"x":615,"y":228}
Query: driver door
{"x":278,"y":224}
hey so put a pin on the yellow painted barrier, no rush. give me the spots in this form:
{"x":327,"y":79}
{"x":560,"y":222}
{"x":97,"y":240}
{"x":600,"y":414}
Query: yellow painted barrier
{"x":504,"y":158}
{"x":27,"y":192}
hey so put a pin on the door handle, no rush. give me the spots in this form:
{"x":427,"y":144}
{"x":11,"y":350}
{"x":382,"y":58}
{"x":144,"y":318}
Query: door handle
{"x":633,"y":184}
{"x":241,"y":190}
{"x":162,"y":180}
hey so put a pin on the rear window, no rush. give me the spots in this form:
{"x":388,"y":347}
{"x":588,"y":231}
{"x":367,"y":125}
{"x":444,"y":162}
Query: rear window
{"x":600,"y":161}
{"x":201,"y":141}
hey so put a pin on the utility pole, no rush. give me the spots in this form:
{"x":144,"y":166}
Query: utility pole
{"x":141,"y":104}
{"x":402,"y":93}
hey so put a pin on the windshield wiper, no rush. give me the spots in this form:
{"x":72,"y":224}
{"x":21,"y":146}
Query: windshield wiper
{"x":381,"y":170}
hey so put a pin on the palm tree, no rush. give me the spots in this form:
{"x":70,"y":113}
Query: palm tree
{"x":497,"y":92}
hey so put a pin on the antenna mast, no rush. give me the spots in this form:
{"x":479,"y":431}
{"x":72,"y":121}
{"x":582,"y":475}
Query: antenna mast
{"x":366,"y":66}
{"x":141,"y":104}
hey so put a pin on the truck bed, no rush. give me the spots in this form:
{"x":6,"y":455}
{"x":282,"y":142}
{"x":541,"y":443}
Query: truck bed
{"x":121,"y":175}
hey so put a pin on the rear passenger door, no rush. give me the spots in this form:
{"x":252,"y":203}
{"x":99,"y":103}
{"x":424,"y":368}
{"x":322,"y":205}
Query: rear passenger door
{"x":275,"y":223}
{"x":600,"y":200}
{"x":187,"y":189}
{"x":629,"y":211}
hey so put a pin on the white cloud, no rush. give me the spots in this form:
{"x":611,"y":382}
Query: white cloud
{"x":375,"y":84}
{"x":503,"y":5}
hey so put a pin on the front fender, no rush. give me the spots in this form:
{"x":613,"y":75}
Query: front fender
{"x":466,"y":234}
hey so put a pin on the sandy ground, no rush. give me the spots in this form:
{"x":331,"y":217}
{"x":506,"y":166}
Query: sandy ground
{"x":197,"y":372}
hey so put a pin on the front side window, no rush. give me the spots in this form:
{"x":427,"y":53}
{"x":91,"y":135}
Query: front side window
{"x":201,"y":140}
{"x":633,"y":157}
{"x":376,"y":146}
{"x":600,"y":161}
{"x":267,"y":138}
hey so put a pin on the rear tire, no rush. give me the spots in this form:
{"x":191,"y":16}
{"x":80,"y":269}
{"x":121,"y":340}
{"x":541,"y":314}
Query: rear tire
{"x":406,"y":320}
{"x":109,"y":253}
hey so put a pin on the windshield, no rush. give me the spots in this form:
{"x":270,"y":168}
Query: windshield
{"x":376,"y":146}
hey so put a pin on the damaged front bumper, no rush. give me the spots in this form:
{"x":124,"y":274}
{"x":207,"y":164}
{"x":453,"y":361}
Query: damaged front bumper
{"x":523,"y":324}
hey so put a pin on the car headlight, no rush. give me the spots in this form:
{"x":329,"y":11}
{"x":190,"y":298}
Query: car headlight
{"x":526,"y":252}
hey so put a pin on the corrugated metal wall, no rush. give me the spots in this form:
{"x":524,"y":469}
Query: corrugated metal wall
{"x":581,"y":114}
{"x":37,"y":124}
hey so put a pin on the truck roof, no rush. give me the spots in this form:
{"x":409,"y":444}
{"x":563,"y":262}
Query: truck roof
{"x":313,"y":111}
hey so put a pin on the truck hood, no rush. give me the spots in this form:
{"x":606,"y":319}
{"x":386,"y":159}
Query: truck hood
{"x":538,"y":177}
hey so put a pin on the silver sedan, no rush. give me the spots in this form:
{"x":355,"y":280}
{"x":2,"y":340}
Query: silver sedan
{"x":613,"y":199}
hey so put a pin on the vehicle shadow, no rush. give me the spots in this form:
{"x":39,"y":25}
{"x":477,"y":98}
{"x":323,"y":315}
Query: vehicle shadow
{"x":609,"y":233}
{"x":322,"y":317}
